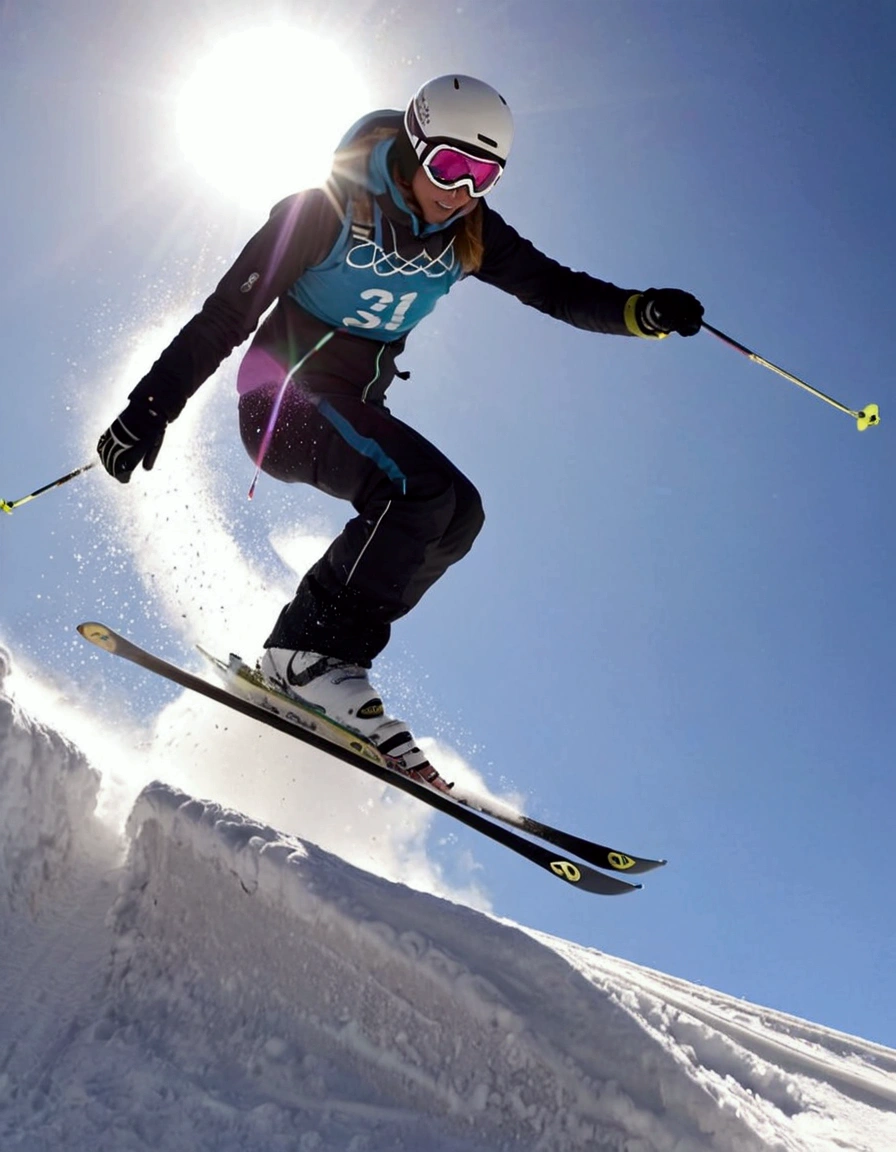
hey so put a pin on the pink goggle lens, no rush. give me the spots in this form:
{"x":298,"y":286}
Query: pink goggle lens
{"x":450,"y":167}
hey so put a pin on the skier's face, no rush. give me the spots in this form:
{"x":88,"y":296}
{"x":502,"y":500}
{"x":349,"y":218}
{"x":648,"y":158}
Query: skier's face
{"x":436,"y":205}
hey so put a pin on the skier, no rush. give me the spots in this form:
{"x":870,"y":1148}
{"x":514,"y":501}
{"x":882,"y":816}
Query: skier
{"x":353,"y":267}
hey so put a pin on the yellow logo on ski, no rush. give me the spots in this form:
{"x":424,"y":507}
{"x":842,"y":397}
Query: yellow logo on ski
{"x":98,"y":634}
{"x":566,"y":871}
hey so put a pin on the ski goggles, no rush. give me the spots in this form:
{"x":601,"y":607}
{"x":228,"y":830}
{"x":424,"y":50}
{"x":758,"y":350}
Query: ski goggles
{"x":448,"y":167}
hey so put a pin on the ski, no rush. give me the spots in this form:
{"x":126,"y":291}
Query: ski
{"x":579,"y":875}
{"x":251,"y":685}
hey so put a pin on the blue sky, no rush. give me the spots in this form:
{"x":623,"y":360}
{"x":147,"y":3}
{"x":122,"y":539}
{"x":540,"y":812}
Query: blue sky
{"x":675,"y":631}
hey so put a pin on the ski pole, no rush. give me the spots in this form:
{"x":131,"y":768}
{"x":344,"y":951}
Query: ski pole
{"x":8,"y":506}
{"x":864,"y":418}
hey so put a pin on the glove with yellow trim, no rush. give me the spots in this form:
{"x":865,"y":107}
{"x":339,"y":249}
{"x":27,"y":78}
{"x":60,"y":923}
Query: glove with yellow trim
{"x":659,"y":311}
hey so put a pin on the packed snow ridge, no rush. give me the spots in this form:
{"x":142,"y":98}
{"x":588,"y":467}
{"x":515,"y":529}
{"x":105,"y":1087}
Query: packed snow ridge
{"x":203,"y":981}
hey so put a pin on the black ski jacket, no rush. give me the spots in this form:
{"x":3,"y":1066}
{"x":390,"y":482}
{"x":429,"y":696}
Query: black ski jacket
{"x":299,"y":234}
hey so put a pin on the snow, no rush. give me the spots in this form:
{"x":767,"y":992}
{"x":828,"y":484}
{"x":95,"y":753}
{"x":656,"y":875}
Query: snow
{"x":199,"y":979}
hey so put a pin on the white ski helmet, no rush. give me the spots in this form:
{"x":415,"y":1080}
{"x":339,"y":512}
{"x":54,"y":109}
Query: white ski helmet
{"x":462,"y":111}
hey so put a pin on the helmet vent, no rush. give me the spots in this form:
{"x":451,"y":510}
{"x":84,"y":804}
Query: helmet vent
{"x":487,"y":140}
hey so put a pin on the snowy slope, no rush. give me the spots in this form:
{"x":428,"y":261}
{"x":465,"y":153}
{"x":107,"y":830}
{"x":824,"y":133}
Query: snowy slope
{"x":206,"y":982}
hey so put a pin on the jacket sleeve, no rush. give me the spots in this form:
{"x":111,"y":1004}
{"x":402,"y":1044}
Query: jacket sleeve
{"x":515,"y":265}
{"x":298,"y":234}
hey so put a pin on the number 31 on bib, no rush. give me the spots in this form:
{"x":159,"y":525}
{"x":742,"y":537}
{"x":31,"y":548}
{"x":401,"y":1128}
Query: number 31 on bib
{"x":385,"y":312}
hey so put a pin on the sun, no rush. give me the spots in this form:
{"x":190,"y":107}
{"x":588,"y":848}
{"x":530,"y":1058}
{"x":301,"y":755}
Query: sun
{"x":264,"y":109}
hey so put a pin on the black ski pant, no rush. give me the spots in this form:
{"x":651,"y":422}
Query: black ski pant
{"x":416,"y":512}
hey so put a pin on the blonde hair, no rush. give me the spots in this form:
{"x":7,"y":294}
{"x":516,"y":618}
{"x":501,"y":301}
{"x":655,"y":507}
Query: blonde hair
{"x":352,"y":162}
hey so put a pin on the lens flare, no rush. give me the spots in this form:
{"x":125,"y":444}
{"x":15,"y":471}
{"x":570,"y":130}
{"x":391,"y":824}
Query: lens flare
{"x":264,"y":109}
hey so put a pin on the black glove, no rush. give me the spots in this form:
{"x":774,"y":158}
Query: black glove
{"x":135,"y":436}
{"x":665,"y":310}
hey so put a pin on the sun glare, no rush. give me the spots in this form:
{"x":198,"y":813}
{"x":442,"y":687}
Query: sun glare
{"x":264,"y":109}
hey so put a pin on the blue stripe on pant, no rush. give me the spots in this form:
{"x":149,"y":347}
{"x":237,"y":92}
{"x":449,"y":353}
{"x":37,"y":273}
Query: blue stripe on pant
{"x":363,"y":444}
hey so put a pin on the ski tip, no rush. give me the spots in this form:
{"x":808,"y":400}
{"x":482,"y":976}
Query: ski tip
{"x":99,"y":635}
{"x":642,"y":866}
{"x":621,"y":890}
